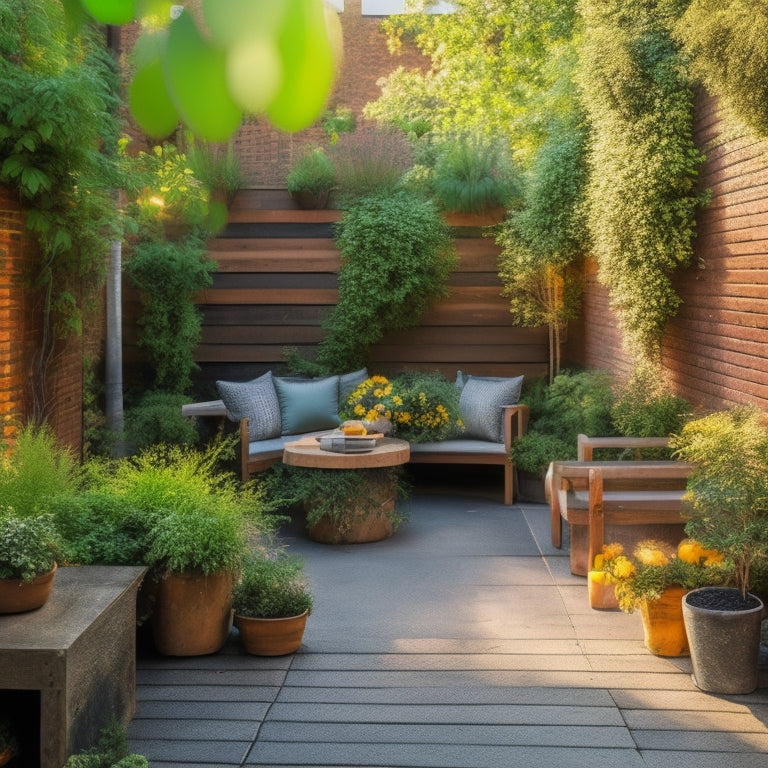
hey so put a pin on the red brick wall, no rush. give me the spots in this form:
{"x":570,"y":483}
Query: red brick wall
{"x":715,"y":349}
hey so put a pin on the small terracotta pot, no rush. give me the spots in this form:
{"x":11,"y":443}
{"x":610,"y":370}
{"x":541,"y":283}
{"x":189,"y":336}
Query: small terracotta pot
{"x":271,"y":637}
{"x":663,"y":624}
{"x":602,"y":594}
{"x":18,"y":596}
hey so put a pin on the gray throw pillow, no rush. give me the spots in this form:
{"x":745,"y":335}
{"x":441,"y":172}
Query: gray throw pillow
{"x":255,"y":400}
{"x":480,"y":405}
{"x":309,"y":405}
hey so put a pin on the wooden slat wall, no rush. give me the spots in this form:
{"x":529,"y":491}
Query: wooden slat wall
{"x":274,"y":291}
{"x":715,"y":349}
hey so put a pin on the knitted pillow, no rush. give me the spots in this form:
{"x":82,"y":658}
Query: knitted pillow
{"x":480,"y":405}
{"x":255,"y":400}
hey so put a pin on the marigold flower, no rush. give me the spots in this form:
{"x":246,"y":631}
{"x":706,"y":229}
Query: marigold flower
{"x":611,"y":551}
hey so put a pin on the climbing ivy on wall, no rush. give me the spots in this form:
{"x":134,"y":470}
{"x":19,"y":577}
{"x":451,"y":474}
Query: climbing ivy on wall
{"x":727,"y":43}
{"x":642,"y":193}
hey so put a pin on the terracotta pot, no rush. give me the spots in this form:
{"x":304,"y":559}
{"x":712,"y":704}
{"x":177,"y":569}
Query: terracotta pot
{"x":359,"y":527}
{"x":6,"y":756}
{"x":602,"y":594}
{"x":663,"y":624}
{"x":271,"y":637}
{"x":193,"y":613}
{"x":18,"y":596}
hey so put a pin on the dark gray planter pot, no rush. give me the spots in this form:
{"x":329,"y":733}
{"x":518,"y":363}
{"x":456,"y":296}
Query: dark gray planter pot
{"x":724,"y":644}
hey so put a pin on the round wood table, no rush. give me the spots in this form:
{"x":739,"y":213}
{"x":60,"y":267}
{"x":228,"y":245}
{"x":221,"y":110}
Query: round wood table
{"x":306,"y":452}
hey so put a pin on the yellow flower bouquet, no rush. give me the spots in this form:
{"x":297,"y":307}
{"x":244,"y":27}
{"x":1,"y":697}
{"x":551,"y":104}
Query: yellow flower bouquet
{"x":654,"y":566}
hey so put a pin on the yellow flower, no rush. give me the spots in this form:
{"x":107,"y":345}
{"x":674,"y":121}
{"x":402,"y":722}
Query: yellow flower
{"x":623,"y":568}
{"x":599,"y":560}
{"x":651,"y":553}
{"x":611,"y":551}
{"x":691,"y":551}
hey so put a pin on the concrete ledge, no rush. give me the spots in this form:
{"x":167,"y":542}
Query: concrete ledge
{"x":79,"y":652}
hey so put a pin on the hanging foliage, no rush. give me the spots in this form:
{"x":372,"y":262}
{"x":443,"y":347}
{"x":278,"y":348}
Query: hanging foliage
{"x":642,"y":193}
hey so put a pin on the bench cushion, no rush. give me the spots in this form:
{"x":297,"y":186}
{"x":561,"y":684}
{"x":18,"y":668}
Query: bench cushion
{"x":459,"y":446}
{"x":256,"y":401}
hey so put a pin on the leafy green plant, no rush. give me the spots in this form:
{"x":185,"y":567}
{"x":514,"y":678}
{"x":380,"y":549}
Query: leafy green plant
{"x":473,"y":173}
{"x":271,"y":586}
{"x":644,"y":165}
{"x":58,"y":111}
{"x":575,"y":402}
{"x":728,"y":49}
{"x":369,"y":161}
{"x":217,"y":166}
{"x":312,"y":172}
{"x":543,"y":241}
{"x":98,"y":527}
{"x":338,"y":494}
{"x":396,"y":255}
{"x":110,"y":751}
{"x":34,"y":470}
{"x":337,"y":121}
{"x":168,"y":275}
{"x":728,"y":487}
{"x":157,"y":418}
{"x":646,"y":407}
{"x":29,"y":545}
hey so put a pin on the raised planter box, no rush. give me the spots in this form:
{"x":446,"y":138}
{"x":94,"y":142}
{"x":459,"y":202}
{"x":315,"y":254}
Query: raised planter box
{"x":72,"y":663}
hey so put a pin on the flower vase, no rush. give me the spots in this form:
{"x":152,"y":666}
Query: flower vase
{"x":663,"y":625}
{"x":602,"y":595}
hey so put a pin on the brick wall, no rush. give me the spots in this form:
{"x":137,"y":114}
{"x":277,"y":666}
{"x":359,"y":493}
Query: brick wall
{"x":715,"y":349}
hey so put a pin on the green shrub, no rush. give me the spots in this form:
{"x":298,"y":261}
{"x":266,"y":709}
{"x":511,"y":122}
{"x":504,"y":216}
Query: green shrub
{"x":473,"y":174}
{"x":35,"y":470}
{"x":157,"y":418}
{"x":271,"y":586}
{"x":396,"y":255}
{"x":110,"y":751}
{"x":312,"y":172}
{"x":168,"y":275}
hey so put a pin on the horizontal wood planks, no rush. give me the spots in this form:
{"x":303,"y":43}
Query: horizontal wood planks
{"x":276,"y":282}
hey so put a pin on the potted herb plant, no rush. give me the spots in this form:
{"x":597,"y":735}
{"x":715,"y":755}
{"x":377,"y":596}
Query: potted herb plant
{"x":311,"y":179}
{"x":29,"y":546}
{"x":728,"y":491}
{"x":195,"y":520}
{"x":652,"y":580}
{"x":271,"y":601}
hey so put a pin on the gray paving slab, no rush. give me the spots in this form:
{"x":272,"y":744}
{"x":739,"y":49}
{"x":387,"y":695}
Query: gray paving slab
{"x":462,"y":642}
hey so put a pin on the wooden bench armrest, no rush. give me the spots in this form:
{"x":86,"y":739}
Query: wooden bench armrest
{"x":586,"y":445}
{"x":515,"y":423}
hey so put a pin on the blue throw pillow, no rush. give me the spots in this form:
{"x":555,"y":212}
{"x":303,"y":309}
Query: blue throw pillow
{"x":482,"y":398}
{"x":308,"y":405}
{"x":255,"y":400}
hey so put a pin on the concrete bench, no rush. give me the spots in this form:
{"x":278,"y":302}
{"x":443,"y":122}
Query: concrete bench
{"x":260,"y":455}
{"x":70,"y":666}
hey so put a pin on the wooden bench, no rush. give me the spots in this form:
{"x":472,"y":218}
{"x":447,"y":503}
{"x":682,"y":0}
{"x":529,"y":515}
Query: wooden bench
{"x":256,"y":457}
{"x":647,"y":495}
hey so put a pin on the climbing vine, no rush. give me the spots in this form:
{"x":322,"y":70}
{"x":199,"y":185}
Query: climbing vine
{"x":642,"y":194}
{"x":727,"y":43}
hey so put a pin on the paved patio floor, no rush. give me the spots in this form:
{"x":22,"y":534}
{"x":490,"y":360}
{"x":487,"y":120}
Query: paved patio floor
{"x":461,"y":642}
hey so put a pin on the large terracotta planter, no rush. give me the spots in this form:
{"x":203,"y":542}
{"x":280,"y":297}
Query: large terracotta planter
{"x":359,"y":527}
{"x":271,"y":637}
{"x":663,"y":625}
{"x":725,"y":644}
{"x":192,"y":614}
{"x":19,"y":596}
